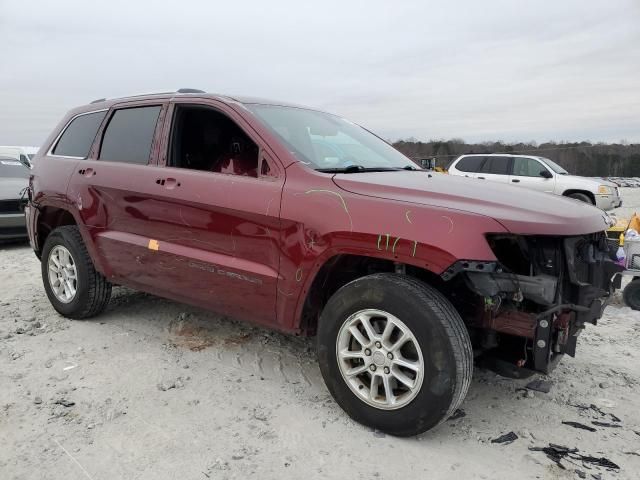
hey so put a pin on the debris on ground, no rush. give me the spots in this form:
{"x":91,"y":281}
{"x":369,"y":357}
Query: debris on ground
{"x":635,"y":452}
{"x":579,"y":425}
{"x":506,"y":439}
{"x":557,"y":453}
{"x":543,"y":386}
{"x":170,"y":384}
{"x":459,"y":413}
{"x":595,"y":409}
{"x":606,"y":424}
{"x":64,"y":402}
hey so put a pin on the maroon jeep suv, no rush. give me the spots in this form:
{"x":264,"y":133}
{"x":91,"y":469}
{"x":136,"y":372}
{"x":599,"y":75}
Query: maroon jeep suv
{"x":305,"y":222}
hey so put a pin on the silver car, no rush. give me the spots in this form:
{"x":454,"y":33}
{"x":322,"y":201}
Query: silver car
{"x":537,"y":173}
{"x":14,"y":179}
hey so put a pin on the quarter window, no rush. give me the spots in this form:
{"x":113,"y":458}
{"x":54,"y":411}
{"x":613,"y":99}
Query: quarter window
{"x":79,"y":135}
{"x":527,"y":167}
{"x":496,"y":165}
{"x":470,"y":164}
{"x":129,"y":135}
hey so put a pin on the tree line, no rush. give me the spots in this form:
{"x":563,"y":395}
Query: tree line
{"x":583,"y":158}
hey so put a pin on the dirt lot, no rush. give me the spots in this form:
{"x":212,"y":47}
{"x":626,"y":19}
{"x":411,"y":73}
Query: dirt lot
{"x":153,"y":389}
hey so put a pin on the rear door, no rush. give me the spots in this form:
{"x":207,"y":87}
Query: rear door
{"x":468,"y":166}
{"x":495,"y":169}
{"x":527,"y":172}
{"x":114,"y":190}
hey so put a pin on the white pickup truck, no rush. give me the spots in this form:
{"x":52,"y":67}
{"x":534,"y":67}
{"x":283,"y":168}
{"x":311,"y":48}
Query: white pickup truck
{"x":537,"y":173}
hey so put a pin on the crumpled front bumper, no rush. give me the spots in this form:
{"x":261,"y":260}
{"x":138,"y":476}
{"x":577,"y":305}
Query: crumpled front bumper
{"x":570,"y":282}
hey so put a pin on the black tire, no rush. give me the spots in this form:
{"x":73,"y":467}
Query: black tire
{"x":631,"y":294}
{"x":439,"y":331}
{"x":583,"y":197}
{"x":93,"y":289}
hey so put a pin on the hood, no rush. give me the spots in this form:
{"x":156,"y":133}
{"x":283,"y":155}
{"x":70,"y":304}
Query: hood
{"x":588,"y":183}
{"x":519,"y":210}
{"x":10,"y":188}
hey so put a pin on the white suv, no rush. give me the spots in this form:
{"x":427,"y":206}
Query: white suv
{"x":539,"y":174}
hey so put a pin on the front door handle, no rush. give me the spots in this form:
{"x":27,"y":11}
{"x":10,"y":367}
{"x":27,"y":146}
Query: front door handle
{"x":87,"y":172}
{"x":169,"y":183}
{"x":481,"y":178}
{"x":515,"y":180}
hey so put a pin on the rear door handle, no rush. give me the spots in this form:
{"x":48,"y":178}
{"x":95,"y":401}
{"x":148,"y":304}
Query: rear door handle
{"x":481,"y":178}
{"x":515,"y":180}
{"x":87,"y":172}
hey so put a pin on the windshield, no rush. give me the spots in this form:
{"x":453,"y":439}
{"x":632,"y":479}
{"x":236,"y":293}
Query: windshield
{"x":554,"y":166}
{"x":325,"y":142}
{"x":10,"y":168}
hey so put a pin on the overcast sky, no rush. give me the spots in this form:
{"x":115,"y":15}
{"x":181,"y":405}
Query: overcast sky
{"x":477,"y":70}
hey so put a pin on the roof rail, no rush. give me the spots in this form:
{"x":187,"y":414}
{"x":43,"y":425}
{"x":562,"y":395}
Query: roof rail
{"x":190,"y":90}
{"x":99,"y":100}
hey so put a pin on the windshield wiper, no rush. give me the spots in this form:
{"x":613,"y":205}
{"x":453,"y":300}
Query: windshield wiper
{"x":355,"y":169}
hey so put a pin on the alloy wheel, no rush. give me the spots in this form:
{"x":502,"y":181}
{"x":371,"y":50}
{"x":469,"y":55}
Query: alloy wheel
{"x":380,"y":359}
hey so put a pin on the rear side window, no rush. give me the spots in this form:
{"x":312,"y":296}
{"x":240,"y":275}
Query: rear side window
{"x":527,"y":167}
{"x":129,"y":135}
{"x":77,"y":138}
{"x":496,"y":165}
{"x":470,"y":164}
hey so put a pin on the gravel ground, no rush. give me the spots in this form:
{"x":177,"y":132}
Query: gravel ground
{"x":153,"y":389}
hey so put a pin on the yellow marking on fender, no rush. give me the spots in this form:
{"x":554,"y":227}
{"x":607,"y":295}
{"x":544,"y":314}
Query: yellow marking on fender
{"x":415,"y":244}
{"x":406,"y":214}
{"x":153,"y":244}
{"x":393,"y":249}
{"x":340,"y":197}
{"x":379,"y":237}
{"x":298,"y":275}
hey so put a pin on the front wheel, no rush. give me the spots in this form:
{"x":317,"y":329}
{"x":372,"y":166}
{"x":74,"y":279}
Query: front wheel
{"x":394,"y":353}
{"x":74,"y":287}
{"x":582,"y":197}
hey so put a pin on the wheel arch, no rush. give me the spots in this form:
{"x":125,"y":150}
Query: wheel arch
{"x":50,"y":217}
{"x":589,"y":194}
{"x":340,"y":268}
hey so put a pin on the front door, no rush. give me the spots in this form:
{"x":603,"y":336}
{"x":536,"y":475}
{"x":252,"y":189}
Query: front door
{"x":528,"y":173}
{"x":220,"y":191}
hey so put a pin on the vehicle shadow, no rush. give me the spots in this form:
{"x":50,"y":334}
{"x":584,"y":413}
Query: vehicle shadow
{"x":288,"y":359}
{"x":14,"y":244}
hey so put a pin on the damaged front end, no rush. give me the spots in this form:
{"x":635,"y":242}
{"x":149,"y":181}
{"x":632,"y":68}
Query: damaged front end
{"x":526,"y":310}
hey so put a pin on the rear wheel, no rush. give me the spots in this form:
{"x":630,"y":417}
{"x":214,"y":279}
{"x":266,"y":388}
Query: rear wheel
{"x":74,"y":287}
{"x":631,"y":294}
{"x":394,"y":353}
{"x":583,"y":197}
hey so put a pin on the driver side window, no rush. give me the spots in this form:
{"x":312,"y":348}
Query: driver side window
{"x":527,"y":167}
{"x":207,"y":140}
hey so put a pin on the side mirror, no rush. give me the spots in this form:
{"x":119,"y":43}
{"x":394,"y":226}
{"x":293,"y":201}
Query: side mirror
{"x":546,"y":174}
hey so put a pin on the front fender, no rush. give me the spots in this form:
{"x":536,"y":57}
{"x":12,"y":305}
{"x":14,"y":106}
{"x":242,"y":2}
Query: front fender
{"x":320,"y":221}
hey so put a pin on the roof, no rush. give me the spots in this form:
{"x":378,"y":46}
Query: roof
{"x":190,"y":92}
{"x":501,"y":155}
